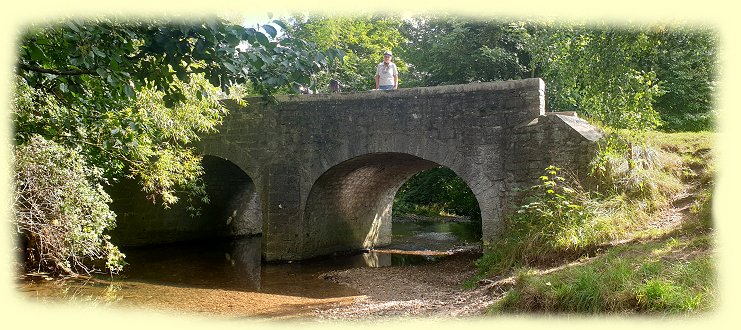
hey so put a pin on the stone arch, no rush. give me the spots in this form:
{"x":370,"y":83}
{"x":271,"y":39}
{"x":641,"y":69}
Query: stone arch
{"x":234,"y":210}
{"x":234,"y":197}
{"x":349,"y":206}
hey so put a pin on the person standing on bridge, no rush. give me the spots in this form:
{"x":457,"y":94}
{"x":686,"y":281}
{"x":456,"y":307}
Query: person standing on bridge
{"x":387,"y":77}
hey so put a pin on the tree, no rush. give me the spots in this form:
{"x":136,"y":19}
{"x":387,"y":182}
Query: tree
{"x":603,"y":72}
{"x":449,"y":50}
{"x":96,"y":84}
{"x":128,"y":55}
{"x":686,"y":64}
{"x":61,"y":210}
{"x":640,"y":77}
{"x":128,"y":96}
{"x":362,"y":40}
{"x":440,"y":189}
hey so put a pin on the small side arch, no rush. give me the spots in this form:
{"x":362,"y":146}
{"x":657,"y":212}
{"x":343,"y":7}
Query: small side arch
{"x":234,"y":198}
{"x":234,"y":210}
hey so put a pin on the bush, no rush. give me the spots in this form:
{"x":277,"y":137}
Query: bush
{"x":625,"y":164}
{"x":553,"y":215}
{"x":61,"y":210}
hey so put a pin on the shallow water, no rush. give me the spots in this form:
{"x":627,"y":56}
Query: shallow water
{"x":186,"y":270}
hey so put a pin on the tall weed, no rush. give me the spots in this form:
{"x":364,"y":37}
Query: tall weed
{"x":552,"y":220}
{"x":626,"y":164}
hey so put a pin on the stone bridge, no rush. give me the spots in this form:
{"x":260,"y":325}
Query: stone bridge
{"x":316,"y":174}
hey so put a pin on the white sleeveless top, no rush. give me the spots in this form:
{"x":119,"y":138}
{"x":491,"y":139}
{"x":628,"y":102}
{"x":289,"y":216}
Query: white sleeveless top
{"x":386,"y":74}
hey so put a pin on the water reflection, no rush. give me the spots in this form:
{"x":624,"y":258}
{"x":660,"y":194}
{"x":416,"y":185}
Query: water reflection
{"x":244,"y":261}
{"x":373,"y":259}
{"x":434,"y":235}
{"x":236,"y":266}
{"x":227,"y":265}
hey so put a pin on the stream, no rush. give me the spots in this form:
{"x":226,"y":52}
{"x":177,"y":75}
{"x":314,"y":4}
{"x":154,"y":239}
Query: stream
{"x":228,"y":277}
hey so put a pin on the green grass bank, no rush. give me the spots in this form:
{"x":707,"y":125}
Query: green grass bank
{"x":636,"y":238}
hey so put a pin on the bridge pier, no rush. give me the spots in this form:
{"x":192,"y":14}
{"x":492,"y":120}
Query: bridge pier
{"x":282,"y":227}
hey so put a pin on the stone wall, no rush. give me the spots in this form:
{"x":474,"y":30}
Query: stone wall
{"x":565,"y":141}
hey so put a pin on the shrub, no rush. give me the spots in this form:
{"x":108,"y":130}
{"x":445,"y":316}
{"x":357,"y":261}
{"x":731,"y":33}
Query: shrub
{"x":625,"y":164}
{"x":61,"y":210}
{"x":552,"y":220}
{"x":553,"y":215}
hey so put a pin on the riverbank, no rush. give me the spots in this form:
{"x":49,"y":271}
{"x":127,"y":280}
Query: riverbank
{"x":420,"y":273}
{"x":659,"y":260}
{"x":431,"y":290}
{"x":657,"y":265}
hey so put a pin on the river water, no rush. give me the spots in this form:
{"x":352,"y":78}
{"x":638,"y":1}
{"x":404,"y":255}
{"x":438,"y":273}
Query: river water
{"x":209,"y":276}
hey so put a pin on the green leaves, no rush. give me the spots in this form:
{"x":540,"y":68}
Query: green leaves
{"x":450,"y":50}
{"x":270,"y":30}
{"x":262,"y":39}
{"x":439,"y":188}
{"x":686,"y":64}
{"x":128,"y":55}
{"x":124,"y":91}
{"x":61,"y":210}
{"x":34,"y":52}
{"x":131,"y":139}
{"x":636,"y":77}
{"x":552,"y":213}
{"x":351,"y":47}
{"x":599,"y":71}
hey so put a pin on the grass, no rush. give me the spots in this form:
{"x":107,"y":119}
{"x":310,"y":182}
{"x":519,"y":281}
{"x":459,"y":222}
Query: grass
{"x":659,"y":270}
{"x":667,"y":276}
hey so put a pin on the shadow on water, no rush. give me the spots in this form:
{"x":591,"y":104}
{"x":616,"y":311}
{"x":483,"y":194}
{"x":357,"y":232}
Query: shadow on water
{"x":236,"y":265}
{"x":232,"y":265}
